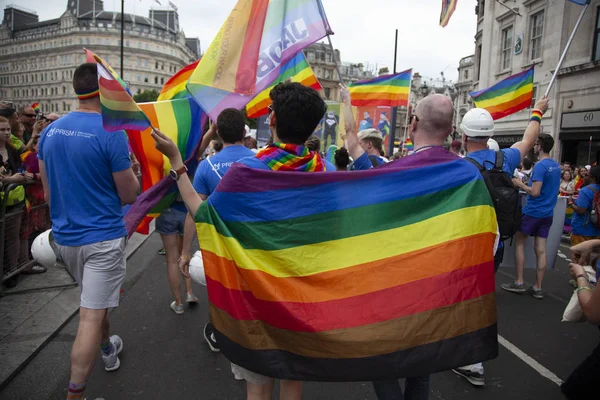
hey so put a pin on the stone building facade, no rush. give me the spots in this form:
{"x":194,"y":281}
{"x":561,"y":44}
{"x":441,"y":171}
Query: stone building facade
{"x":38,"y":58}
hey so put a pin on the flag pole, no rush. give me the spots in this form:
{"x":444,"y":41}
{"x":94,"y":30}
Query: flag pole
{"x":329,"y":33}
{"x":562,"y":57}
{"x":590,"y":151}
{"x":394,"y":109}
{"x":407,"y":110}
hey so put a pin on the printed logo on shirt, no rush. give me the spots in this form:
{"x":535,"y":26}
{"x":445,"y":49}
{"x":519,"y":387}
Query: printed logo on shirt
{"x":69,"y":133}
{"x":220,"y":165}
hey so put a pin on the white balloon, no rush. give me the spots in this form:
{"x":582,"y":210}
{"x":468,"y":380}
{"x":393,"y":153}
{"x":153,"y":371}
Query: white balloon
{"x":197,"y":269}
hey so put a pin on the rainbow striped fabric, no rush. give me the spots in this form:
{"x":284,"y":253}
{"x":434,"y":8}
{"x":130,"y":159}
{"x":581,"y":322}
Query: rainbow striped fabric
{"x":258,"y":37}
{"x":386,"y":90}
{"x":119,"y":110}
{"x":448,"y":7}
{"x":175,"y":86}
{"x":507,"y":96}
{"x":297,"y":70}
{"x":181,"y":120}
{"x":408,"y":145}
{"x":36,"y":107}
{"x":309,"y":281}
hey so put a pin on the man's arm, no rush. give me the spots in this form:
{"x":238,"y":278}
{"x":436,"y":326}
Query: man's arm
{"x":533,"y":130}
{"x":353,"y":145}
{"x":534,"y":190}
{"x":44,"y":177}
{"x":208,"y":136}
{"x":127,"y":184}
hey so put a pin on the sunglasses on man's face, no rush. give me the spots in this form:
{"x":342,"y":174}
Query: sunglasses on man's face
{"x":30,"y":115}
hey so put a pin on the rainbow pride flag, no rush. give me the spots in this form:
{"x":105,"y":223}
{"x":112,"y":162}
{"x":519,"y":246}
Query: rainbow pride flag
{"x":257,"y":39}
{"x":175,"y":86}
{"x":308,"y":283}
{"x":36,"y":107}
{"x":119,"y":110}
{"x":297,"y":70}
{"x":386,"y":90}
{"x":507,"y":96}
{"x":180,"y":119}
{"x":448,"y":7}
{"x":408,"y":145}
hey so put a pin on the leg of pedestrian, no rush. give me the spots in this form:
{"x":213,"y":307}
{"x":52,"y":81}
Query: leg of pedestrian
{"x":417,"y":388}
{"x":540,"y":253}
{"x":582,"y":384}
{"x":174,"y":277}
{"x":388,"y":390}
{"x":290,"y":390}
{"x":517,"y":286}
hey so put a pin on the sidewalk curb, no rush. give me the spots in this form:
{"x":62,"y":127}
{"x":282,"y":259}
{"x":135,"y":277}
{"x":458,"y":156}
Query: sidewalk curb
{"x":24,"y":344}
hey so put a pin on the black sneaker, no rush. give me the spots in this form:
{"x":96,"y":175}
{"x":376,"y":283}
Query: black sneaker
{"x":475,"y":378}
{"x":162,"y":252}
{"x":536,"y":293}
{"x":209,"y":336}
{"x":514,"y":287}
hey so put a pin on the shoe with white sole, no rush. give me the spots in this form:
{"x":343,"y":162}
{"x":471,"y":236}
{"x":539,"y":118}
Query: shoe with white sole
{"x":177,"y":309}
{"x":111,"y":361}
{"x":472,"y":373}
{"x":191,"y":298}
{"x":209,"y":336}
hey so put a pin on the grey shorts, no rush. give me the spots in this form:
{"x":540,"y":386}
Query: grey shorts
{"x":99,"y":269}
{"x":242,"y":373}
{"x":171,"y":222}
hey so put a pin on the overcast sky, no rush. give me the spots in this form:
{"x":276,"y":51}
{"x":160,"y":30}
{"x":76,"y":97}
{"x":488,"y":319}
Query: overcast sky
{"x":364,"y":30}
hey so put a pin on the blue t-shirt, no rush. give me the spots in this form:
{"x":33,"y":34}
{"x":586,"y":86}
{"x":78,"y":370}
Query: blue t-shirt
{"x":364,"y":162}
{"x":207,"y":176}
{"x":487,"y":159}
{"x":580,"y":224}
{"x":546,"y":171}
{"x":80,"y":158}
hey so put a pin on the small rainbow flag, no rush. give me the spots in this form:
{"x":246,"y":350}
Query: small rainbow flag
{"x":448,"y":7}
{"x":349,"y":314}
{"x":119,"y":110}
{"x":386,"y":90}
{"x":36,"y":107}
{"x":507,"y":96}
{"x":298,"y":70}
{"x":175,"y":86}
{"x":408,"y":145}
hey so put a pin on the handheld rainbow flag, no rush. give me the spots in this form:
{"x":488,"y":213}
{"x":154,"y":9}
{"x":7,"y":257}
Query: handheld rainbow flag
{"x":448,"y":7}
{"x":507,"y":96}
{"x":386,"y":90}
{"x":180,"y":119}
{"x":234,"y":71}
{"x":36,"y":107}
{"x":119,"y":110}
{"x":175,"y":86}
{"x":297,"y":70}
{"x":350,"y":314}
{"x":408,"y":145}
{"x":92,"y":57}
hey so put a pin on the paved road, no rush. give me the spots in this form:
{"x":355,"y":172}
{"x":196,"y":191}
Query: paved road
{"x":165,"y":356}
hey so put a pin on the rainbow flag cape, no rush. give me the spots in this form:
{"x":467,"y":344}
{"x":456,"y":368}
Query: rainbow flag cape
{"x":36,"y":107}
{"x":448,"y":7}
{"x":119,"y":110}
{"x":386,"y":90}
{"x":258,"y":37}
{"x":308,"y":283}
{"x":297,"y":70}
{"x":507,"y":96}
{"x":175,"y":86}
{"x":181,"y":120}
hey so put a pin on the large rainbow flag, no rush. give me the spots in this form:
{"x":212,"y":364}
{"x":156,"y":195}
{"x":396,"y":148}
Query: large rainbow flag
{"x":448,"y":7}
{"x":309,"y":282}
{"x":507,"y":96}
{"x":297,"y":70}
{"x":386,"y":90}
{"x":258,"y":37}
{"x":175,"y":86}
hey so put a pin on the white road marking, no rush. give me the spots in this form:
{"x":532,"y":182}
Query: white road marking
{"x":543,"y":371}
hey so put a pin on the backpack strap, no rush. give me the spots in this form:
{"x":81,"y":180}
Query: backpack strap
{"x":592,"y":188}
{"x":499,"y":160}
{"x":374,"y":161}
{"x":475,"y":163}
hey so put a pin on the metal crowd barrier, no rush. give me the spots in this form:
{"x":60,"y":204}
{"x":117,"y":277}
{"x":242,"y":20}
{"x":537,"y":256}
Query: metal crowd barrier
{"x":18,"y":227}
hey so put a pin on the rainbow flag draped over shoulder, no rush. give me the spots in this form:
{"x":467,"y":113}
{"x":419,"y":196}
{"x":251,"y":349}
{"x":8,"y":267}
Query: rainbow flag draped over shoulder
{"x":386,"y":90}
{"x":297,"y":70}
{"x":258,"y":37}
{"x":448,"y":7}
{"x":308,"y":282}
{"x":507,"y":96}
{"x":119,"y":110}
{"x":175,"y":86}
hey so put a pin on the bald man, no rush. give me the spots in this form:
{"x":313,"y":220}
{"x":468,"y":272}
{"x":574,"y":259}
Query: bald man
{"x":27,"y":117}
{"x":429,"y":126}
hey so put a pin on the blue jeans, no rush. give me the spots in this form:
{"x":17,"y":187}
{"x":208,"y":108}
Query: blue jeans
{"x":416,"y":389}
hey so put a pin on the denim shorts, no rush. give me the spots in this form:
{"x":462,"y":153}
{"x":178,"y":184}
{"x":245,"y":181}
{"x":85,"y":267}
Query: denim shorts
{"x":171,"y":222}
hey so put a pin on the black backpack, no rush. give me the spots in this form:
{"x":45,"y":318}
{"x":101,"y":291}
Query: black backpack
{"x":505,"y":196}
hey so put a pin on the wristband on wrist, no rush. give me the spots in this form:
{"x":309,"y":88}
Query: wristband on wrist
{"x":582,"y":276}
{"x":536,"y":115}
{"x":579,"y":289}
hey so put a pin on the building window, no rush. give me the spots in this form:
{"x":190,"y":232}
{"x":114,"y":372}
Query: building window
{"x":145,"y":78}
{"x":534,"y":96}
{"x":327,"y":92}
{"x":162,"y":81}
{"x":465,"y":97}
{"x":139,"y":78}
{"x":156,"y":80}
{"x":596,"y":53}
{"x":466,"y":74}
{"x":507,"y":41}
{"x":536,"y":32}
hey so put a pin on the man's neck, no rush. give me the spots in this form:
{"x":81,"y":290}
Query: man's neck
{"x":373,"y":152}
{"x":225,"y":145}
{"x":425,"y":142}
{"x":543,"y":156}
{"x":477,"y":147}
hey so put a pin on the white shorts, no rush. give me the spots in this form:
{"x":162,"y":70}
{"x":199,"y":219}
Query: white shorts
{"x":242,"y":373}
{"x":99,"y":269}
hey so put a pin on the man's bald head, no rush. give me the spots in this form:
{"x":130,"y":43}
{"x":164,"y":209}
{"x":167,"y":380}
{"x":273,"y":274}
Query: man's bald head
{"x":435,"y":115}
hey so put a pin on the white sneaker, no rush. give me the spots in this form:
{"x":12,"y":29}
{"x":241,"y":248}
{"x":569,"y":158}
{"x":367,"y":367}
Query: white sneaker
{"x":191,"y":298}
{"x":472,"y":373}
{"x":111,"y":361}
{"x":177,"y":309}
